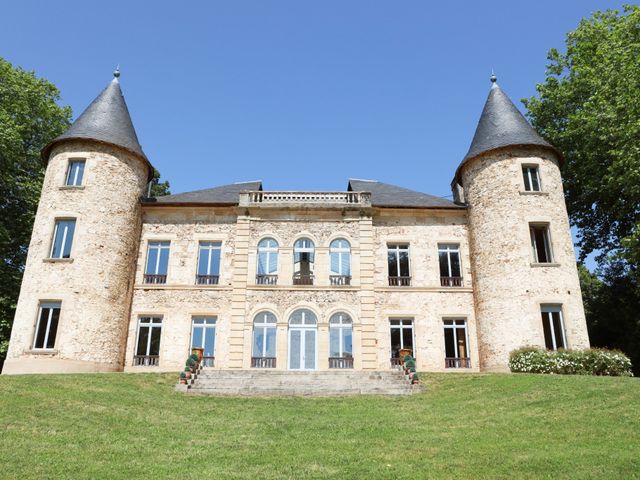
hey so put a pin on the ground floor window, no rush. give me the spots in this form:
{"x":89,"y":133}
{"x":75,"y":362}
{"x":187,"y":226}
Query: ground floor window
{"x":264,"y":340}
{"x":47,"y":325}
{"x":340,"y":341}
{"x":456,"y":344}
{"x":203,"y":335}
{"x":553,"y":325}
{"x":148,"y":343}
{"x":401,"y":338}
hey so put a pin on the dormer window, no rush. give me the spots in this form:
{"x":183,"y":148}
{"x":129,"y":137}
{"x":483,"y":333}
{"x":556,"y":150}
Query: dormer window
{"x":531,"y":176}
{"x":75,"y":173}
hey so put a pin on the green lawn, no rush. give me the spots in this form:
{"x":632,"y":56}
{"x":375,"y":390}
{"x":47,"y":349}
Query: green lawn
{"x":465,"y":426}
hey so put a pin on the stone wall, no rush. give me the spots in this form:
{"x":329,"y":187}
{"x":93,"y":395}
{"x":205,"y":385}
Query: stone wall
{"x":509,"y":286}
{"x":94,"y":285}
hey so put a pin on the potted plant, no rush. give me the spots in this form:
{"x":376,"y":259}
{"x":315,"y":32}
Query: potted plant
{"x":183,"y":378}
{"x":187,"y":372}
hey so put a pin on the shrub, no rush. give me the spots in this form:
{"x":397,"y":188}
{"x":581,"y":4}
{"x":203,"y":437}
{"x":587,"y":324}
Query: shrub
{"x":190,"y":362}
{"x":570,"y":362}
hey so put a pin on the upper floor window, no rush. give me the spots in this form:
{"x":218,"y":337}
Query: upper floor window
{"x":398,"y":261}
{"x":450,"y":272}
{"x":157,"y":262}
{"x":531,"y":176}
{"x":47,"y":325}
{"x":456,"y":344}
{"x":148,"y":343}
{"x":340,"y":253}
{"x":540,"y":243}
{"x":208,"y":263}
{"x":267,"y":273}
{"x":553,"y":326}
{"x":75,"y":173}
{"x":63,"y":238}
{"x":303,"y":259}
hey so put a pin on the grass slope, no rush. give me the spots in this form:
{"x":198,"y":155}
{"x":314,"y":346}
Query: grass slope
{"x":465,"y":426}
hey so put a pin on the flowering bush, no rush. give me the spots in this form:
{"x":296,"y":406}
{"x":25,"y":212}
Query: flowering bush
{"x":570,"y":362}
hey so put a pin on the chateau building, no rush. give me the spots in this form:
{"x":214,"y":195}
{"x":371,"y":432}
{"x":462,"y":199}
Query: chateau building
{"x":260,"y":279}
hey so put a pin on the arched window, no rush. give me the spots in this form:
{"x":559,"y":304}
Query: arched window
{"x":303,"y":258}
{"x":340,"y":340}
{"x":264,"y":340}
{"x":267,"y":262}
{"x":340,"y":252}
{"x":303,"y":316}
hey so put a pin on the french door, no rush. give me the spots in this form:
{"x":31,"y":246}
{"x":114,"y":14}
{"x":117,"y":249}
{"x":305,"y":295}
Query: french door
{"x":302,"y":348}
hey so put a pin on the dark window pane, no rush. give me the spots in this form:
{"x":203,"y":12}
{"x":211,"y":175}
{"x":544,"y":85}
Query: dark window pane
{"x":68,"y":241}
{"x":540,"y":240}
{"x":143,"y":338}
{"x":53,"y":328}
{"x":404,"y":263}
{"x":455,"y":264}
{"x":449,"y":345}
{"x":395,"y":342}
{"x":393,"y":263}
{"x":444,"y":264}
{"x":462,"y":342}
{"x":548,"y":341}
{"x":42,"y":328}
{"x":154,"y":348}
{"x":557,"y":329}
{"x":407,"y":338}
{"x":525,"y":174}
{"x":535,"y":185}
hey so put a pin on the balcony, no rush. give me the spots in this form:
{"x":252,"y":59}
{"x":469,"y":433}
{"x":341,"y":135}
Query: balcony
{"x":341,"y":362}
{"x":338,"y":280}
{"x":399,"y":281}
{"x":154,"y":279}
{"x":305,"y":199}
{"x":303,"y":278}
{"x":146,"y":360}
{"x":450,"y":281}
{"x":207,"y":279}
{"x":462,"y":362}
{"x":262,"y":279}
{"x":263,"y":362}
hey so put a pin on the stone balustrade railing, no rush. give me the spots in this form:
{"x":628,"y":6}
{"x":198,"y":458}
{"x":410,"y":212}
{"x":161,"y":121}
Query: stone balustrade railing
{"x":307,"y":199}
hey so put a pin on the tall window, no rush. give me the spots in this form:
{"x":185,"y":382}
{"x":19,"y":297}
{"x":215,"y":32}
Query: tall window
{"x":553,"y":325}
{"x":540,"y":243}
{"x":75,"y":173}
{"x":531,"y":177}
{"x":47,"y":325}
{"x":340,"y":253}
{"x":449,"y":258}
{"x":398,"y":261}
{"x":340,"y":341}
{"x":148,"y":344}
{"x":63,"y":238}
{"x":401,"y":337}
{"x":267,"y":262}
{"x":208,"y":263}
{"x":264,"y":340}
{"x":303,"y":258}
{"x":456,"y":344}
{"x":203,"y":335}
{"x":157,"y":262}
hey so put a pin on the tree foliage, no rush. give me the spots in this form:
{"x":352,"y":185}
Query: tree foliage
{"x":158,"y":188}
{"x":589,"y":107}
{"x":29,"y":118}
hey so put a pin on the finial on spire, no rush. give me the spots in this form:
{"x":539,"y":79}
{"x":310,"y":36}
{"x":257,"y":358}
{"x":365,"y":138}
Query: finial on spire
{"x":116,"y":72}
{"x":493,"y":77}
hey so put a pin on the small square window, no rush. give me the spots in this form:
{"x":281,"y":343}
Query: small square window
{"x":75,"y":173}
{"x":531,"y":177}
{"x":540,"y":243}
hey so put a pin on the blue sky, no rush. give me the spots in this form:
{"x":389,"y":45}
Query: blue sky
{"x":299,"y":94}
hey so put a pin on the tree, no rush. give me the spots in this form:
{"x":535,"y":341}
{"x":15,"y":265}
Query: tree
{"x":589,"y":107}
{"x":29,"y":118}
{"x":158,"y":188}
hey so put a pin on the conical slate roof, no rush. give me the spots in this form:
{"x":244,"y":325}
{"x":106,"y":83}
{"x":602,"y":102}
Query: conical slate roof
{"x":501,"y":125}
{"x":105,"y":120}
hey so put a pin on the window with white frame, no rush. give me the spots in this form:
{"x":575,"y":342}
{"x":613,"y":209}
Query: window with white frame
{"x":303,"y":260}
{"x":267,"y":261}
{"x":401,"y":336}
{"x":531,"y":176}
{"x":148,"y":342}
{"x":264,"y":335}
{"x":157,"y":262}
{"x":46,"y":325}
{"x":63,"y":238}
{"x":75,"y":172}
{"x":203,"y":335}
{"x":340,"y":262}
{"x":208,"y":263}
{"x":553,"y":326}
{"x":456,"y":344}
{"x":541,"y":243}
{"x":449,"y":259}
{"x":340,"y":336}
{"x":398,"y":263}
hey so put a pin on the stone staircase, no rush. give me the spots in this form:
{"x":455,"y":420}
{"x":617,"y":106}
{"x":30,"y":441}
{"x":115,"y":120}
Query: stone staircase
{"x":309,"y":383}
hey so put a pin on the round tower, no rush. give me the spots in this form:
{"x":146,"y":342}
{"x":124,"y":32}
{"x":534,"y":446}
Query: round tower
{"x":73,"y":310}
{"x":526,"y":286}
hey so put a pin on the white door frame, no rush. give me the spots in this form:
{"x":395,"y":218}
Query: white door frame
{"x":302,"y":329}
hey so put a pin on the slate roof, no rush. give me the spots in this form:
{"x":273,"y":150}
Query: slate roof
{"x":224,"y":195}
{"x":105,"y":120}
{"x":386,"y":195}
{"x":501,"y":124}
